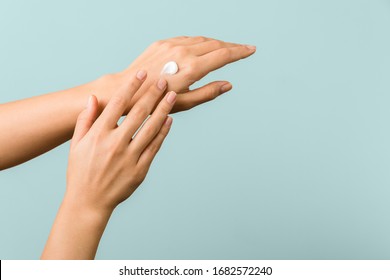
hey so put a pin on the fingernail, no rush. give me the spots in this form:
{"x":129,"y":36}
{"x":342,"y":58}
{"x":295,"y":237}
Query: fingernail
{"x":168,"y":121}
{"x":171,"y":97}
{"x":226,"y":87}
{"x":89,"y":103}
{"x":162,"y":84}
{"x":252,"y":48}
{"x":141,"y":75}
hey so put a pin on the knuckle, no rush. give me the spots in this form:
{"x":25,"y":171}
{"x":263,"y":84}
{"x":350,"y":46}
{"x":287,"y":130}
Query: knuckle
{"x":98,"y":137}
{"x":139,"y":112}
{"x":180,"y":51}
{"x":149,"y":130}
{"x":118,"y":101}
{"x":216,"y":44}
{"x":200,"y":38}
{"x":165,"y":108}
{"x":193,"y":72}
{"x":114,"y":147}
{"x":132,"y":84}
{"x":166,"y":45}
{"x":191,"y":68}
{"x":163,"y":133}
{"x":157,"y":43}
{"x":155,"y":90}
{"x":225,"y":53}
{"x":211,"y":93}
{"x":153,"y":149}
{"x":181,"y":37}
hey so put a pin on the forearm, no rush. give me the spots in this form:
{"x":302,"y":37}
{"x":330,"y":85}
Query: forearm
{"x":76,"y":232}
{"x":33,"y":126}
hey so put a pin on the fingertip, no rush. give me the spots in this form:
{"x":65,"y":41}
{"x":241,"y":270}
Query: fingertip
{"x":89,"y":103}
{"x":168,"y":121}
{"x":94,"y":100}
{"x":85,"y":119}
{"x":141,"y":75}
{"x":92,"y":104}
{"x":162,"y":84}
{"x":251,"y":48}
{"x":225,"y":87}
{"x":171,"y":97}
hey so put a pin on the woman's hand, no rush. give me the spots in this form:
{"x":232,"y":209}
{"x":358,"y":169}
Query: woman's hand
{"x":195,"y":56}
{"x":106,"y":164}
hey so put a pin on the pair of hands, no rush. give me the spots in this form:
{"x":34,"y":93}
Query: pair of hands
{"x":107,"y":161}
{"x":106,"y":165}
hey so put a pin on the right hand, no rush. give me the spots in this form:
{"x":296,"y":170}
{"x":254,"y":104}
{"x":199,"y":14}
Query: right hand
{"x":106,"y":164}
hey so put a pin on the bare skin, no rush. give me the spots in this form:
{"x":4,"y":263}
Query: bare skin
{"x":106,"y":165}
{"x":33,"y":126}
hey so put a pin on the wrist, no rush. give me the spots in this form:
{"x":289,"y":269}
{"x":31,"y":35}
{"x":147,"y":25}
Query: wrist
{"x":76,"y":232}
{"x":103,"y":88}
{"x":97,"y":216}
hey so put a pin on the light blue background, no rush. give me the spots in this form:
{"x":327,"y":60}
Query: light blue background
{"x":294,"y":163}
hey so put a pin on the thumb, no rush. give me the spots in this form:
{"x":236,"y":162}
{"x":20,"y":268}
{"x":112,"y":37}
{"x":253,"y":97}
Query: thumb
{"x":86,"y":119}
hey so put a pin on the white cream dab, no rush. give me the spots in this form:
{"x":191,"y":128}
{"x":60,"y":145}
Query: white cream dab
{"x":170,"y":68}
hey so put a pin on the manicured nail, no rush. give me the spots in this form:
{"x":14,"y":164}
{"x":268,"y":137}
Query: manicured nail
{"x":168,"y":121}
{"x":226,"y":87}
{"x":252,"y":48}
{"x":162,"y":84}
{"x":171,"y":97}
{"x":89,"y":103}
{"x":141,"y":75}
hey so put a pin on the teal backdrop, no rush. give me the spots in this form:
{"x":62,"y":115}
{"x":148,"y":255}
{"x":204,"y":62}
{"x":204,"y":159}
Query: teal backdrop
{"x":293,"y":163}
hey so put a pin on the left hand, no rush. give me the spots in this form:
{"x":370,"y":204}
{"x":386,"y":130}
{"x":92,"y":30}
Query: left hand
{"x":195,"y":56}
